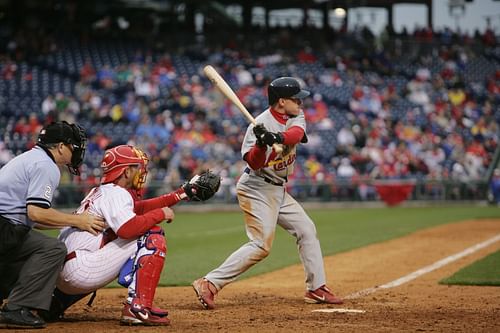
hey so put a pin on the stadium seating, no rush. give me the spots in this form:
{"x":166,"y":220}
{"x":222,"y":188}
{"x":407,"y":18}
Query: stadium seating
{"x":192,"y":113}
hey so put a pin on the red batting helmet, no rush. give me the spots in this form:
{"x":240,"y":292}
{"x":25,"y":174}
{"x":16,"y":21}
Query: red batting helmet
{"x":117,"y":159}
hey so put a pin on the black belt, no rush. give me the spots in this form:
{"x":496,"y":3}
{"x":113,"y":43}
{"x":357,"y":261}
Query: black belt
{"x":6,"y":220}
{"x":266,"y":179}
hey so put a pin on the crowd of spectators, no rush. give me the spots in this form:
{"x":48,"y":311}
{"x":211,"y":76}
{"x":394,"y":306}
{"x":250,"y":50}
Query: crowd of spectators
{"x":382,"y":108}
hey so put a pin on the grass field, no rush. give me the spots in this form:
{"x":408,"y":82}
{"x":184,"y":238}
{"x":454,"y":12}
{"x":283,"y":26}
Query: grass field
{"x":198,"y":242}
{"x":484,"y":272}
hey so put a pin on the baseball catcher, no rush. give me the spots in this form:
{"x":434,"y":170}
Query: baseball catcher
{"x":132,"y":247}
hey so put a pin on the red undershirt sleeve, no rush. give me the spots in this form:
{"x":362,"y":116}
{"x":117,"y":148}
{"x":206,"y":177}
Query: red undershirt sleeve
{"x":256,"y":157}
{"x":166,"y":200}
{"x":140,"y":224}
{"x":293,"y":135}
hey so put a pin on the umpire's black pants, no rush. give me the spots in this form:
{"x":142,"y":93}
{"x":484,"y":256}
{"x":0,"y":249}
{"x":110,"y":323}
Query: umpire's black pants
{"x":29,"y":268}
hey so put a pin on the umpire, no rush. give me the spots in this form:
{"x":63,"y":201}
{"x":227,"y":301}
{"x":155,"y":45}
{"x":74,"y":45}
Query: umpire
{"x":30,"y":261}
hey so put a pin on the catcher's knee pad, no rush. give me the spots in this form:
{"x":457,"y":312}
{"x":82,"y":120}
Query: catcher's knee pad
{"x":149,"y":261}
{"x":154,"y":240}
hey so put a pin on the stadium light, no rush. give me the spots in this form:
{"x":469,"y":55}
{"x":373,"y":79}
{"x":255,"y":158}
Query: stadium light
{"x":339,"y":12}
{"x":122,"y":23}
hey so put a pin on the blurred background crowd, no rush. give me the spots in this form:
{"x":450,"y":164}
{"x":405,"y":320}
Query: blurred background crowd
{"x":417,"y":106}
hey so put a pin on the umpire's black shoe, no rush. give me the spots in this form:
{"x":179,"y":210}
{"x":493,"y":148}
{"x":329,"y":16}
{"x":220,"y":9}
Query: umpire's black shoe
{"x":20,"y":318}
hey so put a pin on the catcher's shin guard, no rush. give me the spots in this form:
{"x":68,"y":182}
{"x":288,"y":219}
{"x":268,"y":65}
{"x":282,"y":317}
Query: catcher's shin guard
{"x":149,"y":260}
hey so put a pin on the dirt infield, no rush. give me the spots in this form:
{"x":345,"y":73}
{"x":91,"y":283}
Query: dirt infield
{"x":273,"y":302}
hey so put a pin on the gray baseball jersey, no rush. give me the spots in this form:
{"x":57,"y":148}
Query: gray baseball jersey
{"x":266,"y":204}
{"x":30,"y":178}
{"x":278,"y":167}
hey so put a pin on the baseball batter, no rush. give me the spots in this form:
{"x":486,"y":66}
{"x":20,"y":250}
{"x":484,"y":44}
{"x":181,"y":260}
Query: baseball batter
{"x":263,"y":198}
{"x":132,"y":246}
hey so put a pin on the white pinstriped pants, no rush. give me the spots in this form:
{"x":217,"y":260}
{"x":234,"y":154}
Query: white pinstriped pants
{"x":90,"y":271}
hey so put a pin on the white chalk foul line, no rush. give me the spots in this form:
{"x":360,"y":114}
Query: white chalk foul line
{"x":425,"y":270}
{"x":339,"y":310}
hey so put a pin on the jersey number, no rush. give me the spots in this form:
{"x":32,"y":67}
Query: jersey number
{"x":93,"y":195}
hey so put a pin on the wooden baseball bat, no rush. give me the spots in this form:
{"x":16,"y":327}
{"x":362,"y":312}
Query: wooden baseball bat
{"x":226,"y":90}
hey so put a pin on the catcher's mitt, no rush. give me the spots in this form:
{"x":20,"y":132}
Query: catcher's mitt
{"x":203,"y":186}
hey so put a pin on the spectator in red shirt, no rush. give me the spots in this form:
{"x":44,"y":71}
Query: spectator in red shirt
{"x":87,"y":73}
{"x":306,"y":56}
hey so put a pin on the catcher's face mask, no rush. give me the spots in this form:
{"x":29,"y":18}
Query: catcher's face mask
{"x":141,"y":175}
{"x":116,"y":160}
{"x":69,"y":134}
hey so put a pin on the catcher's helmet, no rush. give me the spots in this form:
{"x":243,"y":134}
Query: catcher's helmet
{"x":285,"y":87}
{"x":117,"y":159}
{"x":69,"y":134}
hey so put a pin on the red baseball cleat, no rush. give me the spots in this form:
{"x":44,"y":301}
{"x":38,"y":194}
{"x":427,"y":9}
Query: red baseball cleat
{"x":206,"y":291}
{"x":143,"y":317}
{"x":322,"y":295}
{"x":159,"y":312}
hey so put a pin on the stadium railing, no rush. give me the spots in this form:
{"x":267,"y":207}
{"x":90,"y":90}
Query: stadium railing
{"x":338,"y":191}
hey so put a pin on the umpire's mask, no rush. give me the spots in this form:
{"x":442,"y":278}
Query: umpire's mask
{"x":70,"y":134}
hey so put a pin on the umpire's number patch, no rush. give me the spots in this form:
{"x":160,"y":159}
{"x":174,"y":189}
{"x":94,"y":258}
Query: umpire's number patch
{"x":48,"y":192}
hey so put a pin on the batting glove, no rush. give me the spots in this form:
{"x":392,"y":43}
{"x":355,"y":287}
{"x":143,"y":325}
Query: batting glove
{"x":271,"y":138}
{"x":260,"y":131}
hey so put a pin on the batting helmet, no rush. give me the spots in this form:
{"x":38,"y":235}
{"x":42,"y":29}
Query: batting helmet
{"x":117,"y":159}
{"x":285,"y":87}
{"x":69,"y":134}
